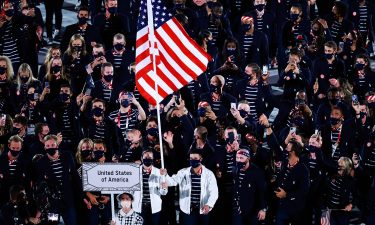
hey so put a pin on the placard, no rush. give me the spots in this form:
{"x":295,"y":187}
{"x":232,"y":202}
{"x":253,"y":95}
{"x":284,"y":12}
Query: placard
{"x":114,"y":177}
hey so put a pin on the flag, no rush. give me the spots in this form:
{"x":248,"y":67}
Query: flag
{"x":325,"y":218}
{"x":178,"y":58}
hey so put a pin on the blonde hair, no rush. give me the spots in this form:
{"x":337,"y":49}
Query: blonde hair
{"x":24,"y":67}
{"x":10,"y":71}
{"x":75,"y":37}
{"x":49,"y":75}
{"x":348,"y":165}
{"x":220,"y":78}
{"x":79,"y":148}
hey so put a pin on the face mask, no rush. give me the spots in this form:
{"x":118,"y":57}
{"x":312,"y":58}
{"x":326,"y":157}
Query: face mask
{"x":9,"y":12}
{"x":215,"y":89}
{"x":240,"y":165}
{"x":152,"y":131}
{"x":328,"y":56}
{"x":108,"y":78}
{"x":147,"y":162}
{"x":2,"y":70}
{"x":125,"y":103}
{"x":243,"y":113}
{"x":97,"y":111}
{"x":210,"y":4}
{"x":195,"y":163}
{"x":178,"y":6}
{"x":313,"y":148}
{"x":359,"y":66}
{"x":210,"y":43}
{"x":334,"y":121}
{"x":14,"y":153}
{"x":201,"y":112}
{"x":335,"y":101}
{"x":82,"y":20}
{"x":126,"y":204}
{"x":112,"y":10}
{"x":31,"y":97}
{"x":55,"y":69}
{"x":51,"y":151}
{"x":175,"y":122}
{"x":86,"y":153}
{"x":294,"y":17}
{"x":64,"y":97}
{"x":118,"y":47}
{"x":348,"y":43}
{"x":24,"y":79}
{"x":98,"y":155}
{"x":260,"y":7}
{"x":16,"y":130}
{"x":300,"y":102}
{"x":362,"y":114}
{"x":231,"y":51}
{"x":315,"y":32}
{"x":246,"y":27}
{"x":77,"y":48}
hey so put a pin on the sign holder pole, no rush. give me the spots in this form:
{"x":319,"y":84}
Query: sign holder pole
{"x":113,"y":205}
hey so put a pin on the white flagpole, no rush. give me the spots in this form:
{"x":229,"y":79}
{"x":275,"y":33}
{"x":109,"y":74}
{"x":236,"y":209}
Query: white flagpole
{"x":151,"y":35}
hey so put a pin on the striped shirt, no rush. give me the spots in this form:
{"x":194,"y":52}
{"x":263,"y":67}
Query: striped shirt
{"x":238,"y":4}
{"x":57,"y":170}
{"x":117,"y":60}
{"x":362,"y":26}
{"x":146,"y":188}
{"x":335,"y":142}
{"x":195,"y":189}
{"x":191,"y":86}
{"x":336,"y":30}
{"x":229,"y":161}
{"x":10,"y":48}
{"x":67,"y":126}
{"x":370,"y":159}
{"x":214,"y":30}
{"x":107,"y":92}
{"x":259,"y":24}
{"x":247,"y":43}
{"x":99,"y":131}
{"x":334,"y":192}
{"x":125,"y":121}
{"x":251,"y":95}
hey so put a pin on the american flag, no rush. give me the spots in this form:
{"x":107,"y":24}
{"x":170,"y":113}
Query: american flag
{"x":178,"y":58}
{"x":326,"y":217}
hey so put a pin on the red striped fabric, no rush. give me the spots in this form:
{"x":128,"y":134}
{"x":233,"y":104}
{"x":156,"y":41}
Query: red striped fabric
{"x":179,"y":60}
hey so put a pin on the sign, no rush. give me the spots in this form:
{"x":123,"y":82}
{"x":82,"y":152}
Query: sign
{"x":114,"y":177}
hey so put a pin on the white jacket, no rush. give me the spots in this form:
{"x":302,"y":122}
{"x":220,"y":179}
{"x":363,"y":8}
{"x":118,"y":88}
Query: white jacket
{"x":154,"y":183}
{"x":209,"y":190}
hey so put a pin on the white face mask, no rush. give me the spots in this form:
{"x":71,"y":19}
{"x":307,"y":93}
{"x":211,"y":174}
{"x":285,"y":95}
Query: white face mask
{"x":125,"y":204}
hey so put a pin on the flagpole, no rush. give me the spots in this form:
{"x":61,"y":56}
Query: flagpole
{"x":150,"y":18}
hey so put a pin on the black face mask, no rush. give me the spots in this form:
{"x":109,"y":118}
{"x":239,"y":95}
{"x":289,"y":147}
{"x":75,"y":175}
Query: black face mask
{"x":119,"y":47}
{"x":362,"y":114}
{"x":9,"y":12}
{"x":260,"y":7}
{"x":313,"y":149}
{"x":14,"y":153}
{"x":55,"y":69}
{"x":51,"y":151}
{"x":16,"y":130}
{"x":215,"y":89}
{"x":82,"y":20}
{"x":2,"y":70}
{"x":152,"y":131}
{"x":108,"y":78}
{"x":64,"y":97}
{"x":147,"y":162}
{"x":24,"y":79}
{"x":98,"y":155}
{"x":96,"y":111}
{"x":86,"y":153}
{"x":334,"y":121}
{"x":31,"y":97}
{"x":77,"y":48}
{"x":125,"y":103}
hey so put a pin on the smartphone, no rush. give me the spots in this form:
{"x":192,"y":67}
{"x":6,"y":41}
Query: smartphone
{"x":88,"y":92}
{"x":233,"y":105}
{"x":36,"y":96}
{"x":355,"y":99}
{"x":53,"y":217}
{"x":341,"y":45}
{"x":265,"y":70}
{"x":177,"y":98}
{"x":46,"y":84}
{"x":293,"y":130}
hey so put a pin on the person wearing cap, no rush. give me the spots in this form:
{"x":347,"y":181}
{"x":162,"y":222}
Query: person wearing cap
{"x":148,"y":200}
{"x":126,"y":215}
{"x":254,"y":43}
{"x":198,"y":190}
{"x":249,"y":192}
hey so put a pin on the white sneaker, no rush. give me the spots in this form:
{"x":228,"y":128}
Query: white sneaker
{"x":55,"y":34}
